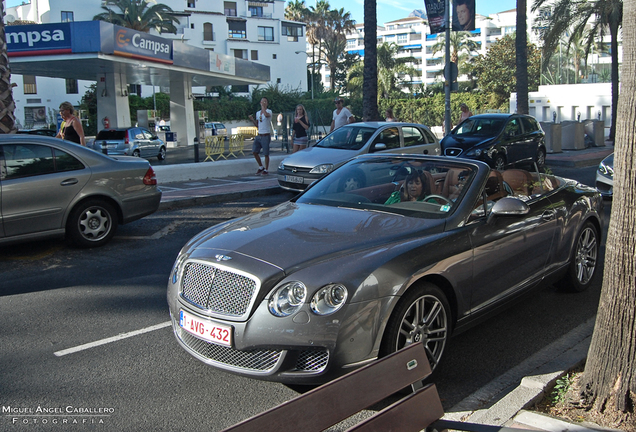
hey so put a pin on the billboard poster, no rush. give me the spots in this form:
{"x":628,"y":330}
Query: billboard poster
{"x":463,"y":15}
{"x":435,"y":10}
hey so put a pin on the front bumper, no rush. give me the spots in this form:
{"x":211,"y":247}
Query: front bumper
{"x":296,"y":181}
{"x":605,"y":185}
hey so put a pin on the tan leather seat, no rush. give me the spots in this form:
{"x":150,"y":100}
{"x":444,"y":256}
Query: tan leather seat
{"x":520,"y":181}
{"x":494,"y":186}
{"x":452,"y":185}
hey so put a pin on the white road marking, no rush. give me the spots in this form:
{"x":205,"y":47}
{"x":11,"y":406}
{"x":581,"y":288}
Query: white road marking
{"x":111,"y":339}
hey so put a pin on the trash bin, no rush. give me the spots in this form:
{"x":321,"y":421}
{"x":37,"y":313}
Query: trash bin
{"x":552,"y":136}
{"x":595,"y":129}
{"x":572,"y":135}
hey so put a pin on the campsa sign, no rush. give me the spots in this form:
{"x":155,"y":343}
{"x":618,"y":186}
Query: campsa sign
{"x":39,"y":39}
{"x":134,"y":44}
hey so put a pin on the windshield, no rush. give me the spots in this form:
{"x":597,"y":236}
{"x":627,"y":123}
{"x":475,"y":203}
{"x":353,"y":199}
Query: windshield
{"x":480,"y":127}
{"x":347,"y":138}
{"x":105,"y":134}
{"x":425,"y":188}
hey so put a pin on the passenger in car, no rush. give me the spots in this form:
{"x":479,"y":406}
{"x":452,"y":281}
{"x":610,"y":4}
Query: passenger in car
{"x":416,"y":187}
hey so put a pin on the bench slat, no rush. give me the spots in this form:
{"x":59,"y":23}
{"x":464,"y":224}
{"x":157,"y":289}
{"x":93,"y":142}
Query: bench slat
{"x":337,"y":400}
{"x":411,"y":414}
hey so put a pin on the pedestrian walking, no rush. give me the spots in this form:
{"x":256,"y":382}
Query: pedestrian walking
{"x":341,"y":115}
{"x":71,"y":128}
{"x":263,"y":121}
{"x":299,"y":129}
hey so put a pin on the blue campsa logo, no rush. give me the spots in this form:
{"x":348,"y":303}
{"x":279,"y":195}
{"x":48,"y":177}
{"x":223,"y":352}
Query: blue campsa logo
{"x":138,"y":41}
{"x":33,"y":37}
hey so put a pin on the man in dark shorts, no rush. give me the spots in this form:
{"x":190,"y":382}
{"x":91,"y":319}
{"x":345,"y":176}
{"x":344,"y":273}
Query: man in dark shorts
{"x":263,"y":121}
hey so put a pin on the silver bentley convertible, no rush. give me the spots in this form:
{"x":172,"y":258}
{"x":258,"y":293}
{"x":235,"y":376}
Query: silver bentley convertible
{"x":337,"y":277}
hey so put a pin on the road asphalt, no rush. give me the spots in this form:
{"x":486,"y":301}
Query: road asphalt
{"x":189,"y":184}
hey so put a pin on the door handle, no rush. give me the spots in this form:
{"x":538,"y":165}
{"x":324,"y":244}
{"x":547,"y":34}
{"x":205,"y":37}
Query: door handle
{"x":69,"y":182}
{"x":548,"y":215}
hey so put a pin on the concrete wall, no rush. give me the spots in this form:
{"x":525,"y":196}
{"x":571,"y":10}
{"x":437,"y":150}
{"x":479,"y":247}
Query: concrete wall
{"x":571,"y":102}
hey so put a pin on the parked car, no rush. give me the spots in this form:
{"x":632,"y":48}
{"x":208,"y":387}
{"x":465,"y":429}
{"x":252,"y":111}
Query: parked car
{"x":500,"y":140}
{"x":605,"y":177}
{"x":302,"y":168}
{"x":133,"y":141}
{"x":336,"y":277}
{"x":50,"y":188}
{"x":44,"y":132}
{"x":214,"y":128}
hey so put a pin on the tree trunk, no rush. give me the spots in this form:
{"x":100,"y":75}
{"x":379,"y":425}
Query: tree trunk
{"x":370,"y":71}
{"x":7,"y":105}
{"x":609,"y":380}
{"x":614,"y":28}
{"x":521,"y":45}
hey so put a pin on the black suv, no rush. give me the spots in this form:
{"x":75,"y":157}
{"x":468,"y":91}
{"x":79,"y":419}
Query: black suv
{"x":500,"y":140}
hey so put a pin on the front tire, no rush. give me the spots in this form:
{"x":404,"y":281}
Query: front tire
{"x":540,"y":158}
{"x":92,"y":224}
{"x":423,"y":316}
{"x":499,"y":163}
{"x":583,"y":261}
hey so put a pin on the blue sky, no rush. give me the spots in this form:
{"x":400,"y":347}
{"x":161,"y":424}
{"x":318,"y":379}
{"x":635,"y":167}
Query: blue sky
{"x":388,"y":10}
{"x":391,"y":10}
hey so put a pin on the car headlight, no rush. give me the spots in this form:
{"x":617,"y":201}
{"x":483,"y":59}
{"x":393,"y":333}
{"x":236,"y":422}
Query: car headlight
{"x":176,"y":269}
{"x":322,"y":169}
{"x":281,"y":166}
{"x":329,"y":299}
{"x":287,"y":299}
{"x":474,"y":153}
{"x":606,"y":170}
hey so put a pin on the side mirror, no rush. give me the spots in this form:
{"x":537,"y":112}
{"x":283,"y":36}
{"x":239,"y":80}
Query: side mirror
{"x":378,"y":147}
{"x":509,"y":206}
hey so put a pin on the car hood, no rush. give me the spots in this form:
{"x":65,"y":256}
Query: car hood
{"x":314,"y":156}
{"x":466,"y":142}
{"x":291,"y":236}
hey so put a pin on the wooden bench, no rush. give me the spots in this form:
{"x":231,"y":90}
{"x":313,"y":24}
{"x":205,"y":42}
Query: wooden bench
{"x":343,"y":397}
{"x":339,"y":399}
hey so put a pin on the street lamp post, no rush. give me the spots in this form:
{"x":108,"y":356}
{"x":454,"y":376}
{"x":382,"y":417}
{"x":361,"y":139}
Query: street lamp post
{"x":313,"y":72}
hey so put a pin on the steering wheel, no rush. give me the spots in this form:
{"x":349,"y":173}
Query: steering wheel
{"x":438,"y":197}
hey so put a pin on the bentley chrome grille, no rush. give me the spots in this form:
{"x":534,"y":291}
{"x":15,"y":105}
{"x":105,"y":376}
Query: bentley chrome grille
{"x":253,"y":360}
{"x":312,"y":360}
{"x":218,"y":290}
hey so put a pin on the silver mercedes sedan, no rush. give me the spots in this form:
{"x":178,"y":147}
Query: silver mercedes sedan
{"x":51,"y":188}
{"x":339,"y":276}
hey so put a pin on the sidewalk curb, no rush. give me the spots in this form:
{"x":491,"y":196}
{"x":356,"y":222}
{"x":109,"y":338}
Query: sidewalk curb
{"x":494,"y":404}
{"x":217,"y":198}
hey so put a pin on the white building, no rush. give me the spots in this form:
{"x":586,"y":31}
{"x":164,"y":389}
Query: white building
{"x":413,"y":36}
{"x":255,"y":31}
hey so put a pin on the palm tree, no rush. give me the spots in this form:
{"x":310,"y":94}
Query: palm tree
{"x":370,"y":71}
{"x":462,"y":46}
{"x":338,"y":24}
{"x":136,"y":15}
{"x":609,"y":380}
{"x":296,"y":11}
{"x":521,"y":57}
{"x":7,"y":105}
{"x":582,"y":18}
{"x":391,"y":68}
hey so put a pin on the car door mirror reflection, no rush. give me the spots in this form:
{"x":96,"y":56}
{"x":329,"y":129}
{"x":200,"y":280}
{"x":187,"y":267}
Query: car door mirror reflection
{"x":509,"y":206}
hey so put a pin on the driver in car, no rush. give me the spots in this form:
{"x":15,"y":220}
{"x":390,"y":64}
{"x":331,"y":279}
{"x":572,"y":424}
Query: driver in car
{"x":417,"y":188}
